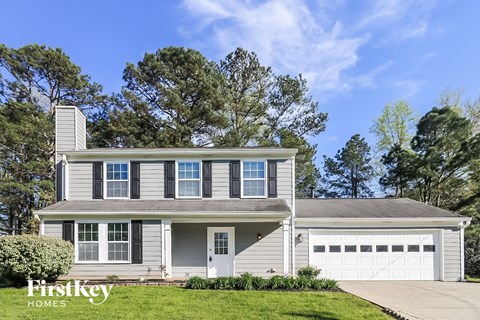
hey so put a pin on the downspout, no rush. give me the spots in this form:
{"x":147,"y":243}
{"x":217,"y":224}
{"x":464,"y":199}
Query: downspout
{"x":292,"y":220}
{"x":65,"y":177}
{"x":462,"y":249}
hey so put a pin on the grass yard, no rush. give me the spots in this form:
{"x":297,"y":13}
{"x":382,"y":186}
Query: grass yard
{"x":471,"y":279}
{"x":179,"y":303}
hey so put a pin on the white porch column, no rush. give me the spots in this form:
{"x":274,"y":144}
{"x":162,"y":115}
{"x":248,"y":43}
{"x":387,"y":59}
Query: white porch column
{"x":167,"y":253}
{"x":286,"y":229}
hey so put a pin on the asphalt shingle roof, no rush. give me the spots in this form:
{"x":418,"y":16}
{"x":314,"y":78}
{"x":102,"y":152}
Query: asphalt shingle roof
{"x":368,"y":208}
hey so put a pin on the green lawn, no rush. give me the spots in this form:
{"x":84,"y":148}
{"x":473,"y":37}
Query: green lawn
{"x":470,"y":279}
{"x":178,"y":303}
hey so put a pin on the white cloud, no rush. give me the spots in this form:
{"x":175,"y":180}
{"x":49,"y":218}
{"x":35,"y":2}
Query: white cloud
{"x":285,"y":35}
{"x":294,"y":36}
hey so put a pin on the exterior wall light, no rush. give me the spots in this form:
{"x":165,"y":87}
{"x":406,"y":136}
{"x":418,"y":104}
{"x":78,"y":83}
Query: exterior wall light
{"x":259,"y":236}
{"x":300,"y":238}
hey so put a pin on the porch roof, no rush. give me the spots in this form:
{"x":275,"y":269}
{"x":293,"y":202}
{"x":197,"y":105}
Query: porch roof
{"x":201,"y":207}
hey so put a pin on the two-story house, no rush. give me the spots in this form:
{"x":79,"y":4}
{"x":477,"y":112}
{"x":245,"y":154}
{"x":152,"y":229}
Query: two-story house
{"x":137,"y":212}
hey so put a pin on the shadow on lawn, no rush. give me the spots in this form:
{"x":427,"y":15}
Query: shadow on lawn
{"x":318,"y":316}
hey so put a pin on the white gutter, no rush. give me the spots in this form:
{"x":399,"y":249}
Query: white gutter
{"x":381,"y":222}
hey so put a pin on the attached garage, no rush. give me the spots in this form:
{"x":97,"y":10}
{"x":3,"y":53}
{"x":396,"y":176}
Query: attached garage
{"x":379,"y":239}
{"x":376,"y":255}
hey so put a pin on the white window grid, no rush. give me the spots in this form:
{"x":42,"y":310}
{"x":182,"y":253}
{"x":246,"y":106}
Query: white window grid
{"x":190,"y":177}
{"x":117,"y":169}
{"x":102,"y":241}
{"x":119,"y":239}
{"x":88,"y":237}
{"x":255,"y":172}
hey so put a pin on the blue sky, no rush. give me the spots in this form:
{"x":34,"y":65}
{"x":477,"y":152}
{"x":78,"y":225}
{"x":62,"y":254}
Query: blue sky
{"x":357,"y":55}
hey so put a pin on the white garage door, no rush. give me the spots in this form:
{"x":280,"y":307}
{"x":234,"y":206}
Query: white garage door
{"x":376,"y":255}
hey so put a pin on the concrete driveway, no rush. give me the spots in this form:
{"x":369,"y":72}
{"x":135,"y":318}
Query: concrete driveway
{"x":421,"y":299}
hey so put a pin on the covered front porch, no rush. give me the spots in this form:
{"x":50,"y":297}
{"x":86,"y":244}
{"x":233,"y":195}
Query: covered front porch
{"x":216,"y":249}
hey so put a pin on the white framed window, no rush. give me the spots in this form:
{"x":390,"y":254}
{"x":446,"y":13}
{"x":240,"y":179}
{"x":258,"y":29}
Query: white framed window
{"x":88,"y":243}
{"x":188,"y":179}
{"x":254,"y":182}
{"x":118,"y":244}
{"x":116,"y":179}
{"x":102,"y":241}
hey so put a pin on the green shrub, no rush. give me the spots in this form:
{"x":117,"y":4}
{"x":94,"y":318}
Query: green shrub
{"x":303,"y":282}
{"x":289,"y":283}
{"x":275,"y":283}
{"x":26,"y":257}
{"x":197,"y":283}
{"x":112,"y":278}
{"x":244,"y":282}
{"x":308,"y":272}
{"x":472,"y":254}
{"x":259,"y":283}
{"x":222,"y":283}
{"x":323,"y":284}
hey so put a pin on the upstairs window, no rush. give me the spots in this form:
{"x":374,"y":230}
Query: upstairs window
{"x":188,"y":173}
{"x":117,"y":180}
{"x":253,"y":179}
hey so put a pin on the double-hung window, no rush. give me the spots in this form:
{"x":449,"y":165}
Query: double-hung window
{"x":253,"y":179}
{"x":188,"y":178}
{"x":103,"y":241}
{"x":88,"y":243}
{"x":117,"y":180}
{"x":118,"y":242}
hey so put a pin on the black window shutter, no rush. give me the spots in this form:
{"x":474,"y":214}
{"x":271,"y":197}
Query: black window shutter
{"x":169,"y":179}
{"x":235,"y":179}
{"x":272,"y":178}
{"x":207,"y":179}
{"x":134,"y":180}
{"x":137,"y":246}
{"x":98,"y":180}
{"x":68,"y":231}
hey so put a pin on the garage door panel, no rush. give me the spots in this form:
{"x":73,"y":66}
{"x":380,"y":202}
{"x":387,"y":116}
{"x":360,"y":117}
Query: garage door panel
{"x":361,"y":261}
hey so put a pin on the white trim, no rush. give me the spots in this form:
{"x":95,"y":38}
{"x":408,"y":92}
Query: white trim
{"x":162,"y":236}
{"x":200,"y":182}
{"x":106,"y":181}
{"x":265,"y":174}
{"x":231,"y":251}
{"x":462,"y":253}
{"x":75,"y":127}
{"x":167,"y":225}
{"x":103,"y":241}
{"x":286,"y":230}
{"x":442,"y":255}
{"x":183,"y":153}
{"x":292,"y":236}
{"x":381,"y":222}
{"x":42,"y":227}
{"x":66,"y":173}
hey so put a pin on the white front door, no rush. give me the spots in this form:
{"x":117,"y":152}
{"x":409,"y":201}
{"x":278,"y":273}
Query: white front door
{"x":220,"y":252}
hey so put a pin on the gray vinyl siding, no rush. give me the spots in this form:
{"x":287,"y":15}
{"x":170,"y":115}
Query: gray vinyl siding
{"x":452,"y":254}
{"x":152,"y":256}
{"x":221,"y":179}
{"x":284,"y":180}
{"x":65,"y":129}
{"x":301,"y":248}
{"x":189,"y":249}
{"x":53,"y":229}
{"x":152,"y":180}
{"x":81,"y":130}
{"x":80,"y":181}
